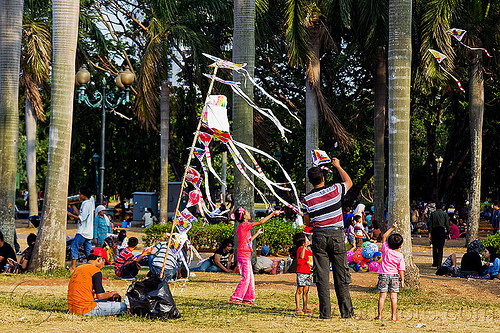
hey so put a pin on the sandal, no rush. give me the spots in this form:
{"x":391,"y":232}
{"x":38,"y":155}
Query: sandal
{"x":249,"y":302}
{"x":377,"y":318}
{"x":395,"y":320}
{"x":307,"y":311}
{"x":300,"y":312}
{"x":234,"y":301}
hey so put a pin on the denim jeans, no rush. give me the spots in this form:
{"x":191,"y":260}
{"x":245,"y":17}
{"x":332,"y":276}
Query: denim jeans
{"x":77,"y":242}
{"x":207,"y":266}
{"x":168,"y":274}
{"x":104,"y":308}
{"x":328,"y":247}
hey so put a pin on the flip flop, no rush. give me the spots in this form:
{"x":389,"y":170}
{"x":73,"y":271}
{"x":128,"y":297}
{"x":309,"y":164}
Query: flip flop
{"x":395,"y":320}
{"x":299,"y":312}
{"x":234,"y":301}
{"x":377,"y":318}
{"x":308,"y":311}
{"x":249,"y":302}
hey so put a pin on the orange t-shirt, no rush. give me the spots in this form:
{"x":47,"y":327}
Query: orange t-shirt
{"x":80,"y":289}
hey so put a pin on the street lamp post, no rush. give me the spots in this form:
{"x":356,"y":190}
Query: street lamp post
{"x":103,"y":100}
{"x":95,"y":159}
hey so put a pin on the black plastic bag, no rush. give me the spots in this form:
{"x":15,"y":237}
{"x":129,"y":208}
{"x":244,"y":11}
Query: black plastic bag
{"x":151,"y":298}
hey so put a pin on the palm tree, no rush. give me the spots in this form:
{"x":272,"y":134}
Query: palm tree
{"x":371,"y":32}
{"x":243,"y":52}
{"x":10,"y":53}
{"x":399,"y":67}
{"x":35,"y":68}
{"x":52,"y":233}
{"x":480,"y":19}
{"x":308,"y":35}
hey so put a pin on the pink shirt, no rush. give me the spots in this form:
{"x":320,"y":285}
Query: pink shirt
{"x":454,"y":231}
{"x":244,"y":243}
{"x":392,"y":261}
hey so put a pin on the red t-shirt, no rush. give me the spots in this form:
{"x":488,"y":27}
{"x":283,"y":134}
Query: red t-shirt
{"x":124,"y":256}
{"x":244,"y":243}
{"x":304,"y":265}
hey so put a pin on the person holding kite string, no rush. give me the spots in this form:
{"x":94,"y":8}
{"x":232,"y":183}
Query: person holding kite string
{"x":245,"y":291}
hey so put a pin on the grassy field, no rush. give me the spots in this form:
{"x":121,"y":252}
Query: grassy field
{"x":34,"y":302}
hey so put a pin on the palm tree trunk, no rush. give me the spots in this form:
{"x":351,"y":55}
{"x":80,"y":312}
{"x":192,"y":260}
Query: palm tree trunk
{"x":49,"y":251}
{"x":380,"y":92}
{"x":31,"y":157}
{"x":399,"y":56}
{"x":476,"y":110}
{"x":312,"y":107}
{"x":11,"y":18}
{"x":243,"y":52}
{"x":164,"y":127}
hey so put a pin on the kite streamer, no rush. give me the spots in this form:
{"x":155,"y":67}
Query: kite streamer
{"x":200,"y":153}
{"x":459,"y":34}
{"x":440,"y":57}
{"x":221,"y":63}
{"x":264,"y":111}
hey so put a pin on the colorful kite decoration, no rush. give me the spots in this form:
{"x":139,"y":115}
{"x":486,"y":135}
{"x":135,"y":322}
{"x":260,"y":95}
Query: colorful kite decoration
{"x":200,"y":153}
{"x":193,"y":176}
{"x":185,"y":221}
{"x":459,"y":34}
{"x":440,"y":57}
{"x":319,"y":157}
{"x":204,"y":139}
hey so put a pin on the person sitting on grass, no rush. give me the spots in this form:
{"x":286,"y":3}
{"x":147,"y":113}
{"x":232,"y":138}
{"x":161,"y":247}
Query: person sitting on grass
{"x":126,"y":265}
{"x":490,"y":253}
{"x":391,"y":270}
{"x":6,"y":252}
{"x":86,"y":295}
{"x":21,"y":266}
{"x":220,"y":261}
{"x":304,"y":273}
{"x":264,"y":264}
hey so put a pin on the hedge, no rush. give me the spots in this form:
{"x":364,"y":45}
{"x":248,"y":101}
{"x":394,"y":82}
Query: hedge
{"x":278,"y":235}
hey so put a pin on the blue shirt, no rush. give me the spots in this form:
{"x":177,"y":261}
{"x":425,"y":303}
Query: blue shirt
{"x":102,"y":228}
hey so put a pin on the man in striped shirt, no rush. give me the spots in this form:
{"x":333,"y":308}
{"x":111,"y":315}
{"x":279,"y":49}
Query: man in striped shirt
{"x":174,"y":258}
{"x":323,"y":212}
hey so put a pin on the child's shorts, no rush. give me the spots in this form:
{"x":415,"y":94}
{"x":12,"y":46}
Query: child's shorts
{"x":388,"y":283}
{"x":304,"y":279}
{"x":350,"y":239}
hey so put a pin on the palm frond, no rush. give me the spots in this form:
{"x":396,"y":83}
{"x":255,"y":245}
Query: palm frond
{"x":297,"y":13}
{"x":343,"y":137}
{"x":341,"y":9}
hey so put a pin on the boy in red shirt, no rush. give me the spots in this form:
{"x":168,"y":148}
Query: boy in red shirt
{"x":304,"y":274}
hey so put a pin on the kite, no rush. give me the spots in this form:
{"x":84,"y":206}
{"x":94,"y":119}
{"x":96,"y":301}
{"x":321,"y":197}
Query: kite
{"x":219,"y":130}
{"x":193,"y":177}
{"x":459,"y":34}
{"x":200,"y":153}
{"x":319,"y":157}
{"x":185,"y":221}
{"x":440,"y":57}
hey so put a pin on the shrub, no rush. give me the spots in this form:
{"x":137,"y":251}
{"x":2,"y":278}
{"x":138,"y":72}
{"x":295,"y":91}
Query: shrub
{"x":492,"y":240}
{"x":278,"y":235}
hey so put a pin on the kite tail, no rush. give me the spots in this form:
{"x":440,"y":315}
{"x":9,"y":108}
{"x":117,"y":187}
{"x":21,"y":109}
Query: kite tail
{"x":264,"y":111}
{"x":454,"y":78}
{"x":476,"y":48}
{"x":325,"y":168}
{"x":287,"y":176}
{"x":211,"y":168}
{"x":240,"y":168}
{"x":269,"y":96}
{"x":207,"y":188}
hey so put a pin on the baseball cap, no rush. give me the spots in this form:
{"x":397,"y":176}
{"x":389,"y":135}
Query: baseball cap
{"x":264,"y":251}
{"x":100,"y":252}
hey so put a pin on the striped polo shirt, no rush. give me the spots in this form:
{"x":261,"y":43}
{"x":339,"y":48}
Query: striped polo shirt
{"x":324,"y":206}
{"x":173,"y":257}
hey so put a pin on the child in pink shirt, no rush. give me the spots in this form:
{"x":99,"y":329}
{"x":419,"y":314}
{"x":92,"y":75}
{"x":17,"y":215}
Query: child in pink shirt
{"x":245,"y":291}
{"x":390,"y":271}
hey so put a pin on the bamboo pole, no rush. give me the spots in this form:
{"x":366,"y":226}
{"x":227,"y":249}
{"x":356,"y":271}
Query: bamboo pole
{"x":174,"y":222}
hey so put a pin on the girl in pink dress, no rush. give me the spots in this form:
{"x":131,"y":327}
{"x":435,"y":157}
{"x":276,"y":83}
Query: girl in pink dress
{"x":245,"y":291}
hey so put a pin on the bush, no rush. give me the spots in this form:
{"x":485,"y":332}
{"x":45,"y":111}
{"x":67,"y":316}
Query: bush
{"x":278,"y":235}
{"x":20,"y":204}
{"x":207,"y":237}
{"x":492,"y":240}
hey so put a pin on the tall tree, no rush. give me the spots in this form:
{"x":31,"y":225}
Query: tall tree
{"x":35,"y":68}
{"x":49,"y":251}
{"x":399,"y":67}
{"x":243,"y":52}
{"x":11,"y":18}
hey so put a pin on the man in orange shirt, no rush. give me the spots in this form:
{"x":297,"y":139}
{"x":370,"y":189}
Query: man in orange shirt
{"x":85,"y":287}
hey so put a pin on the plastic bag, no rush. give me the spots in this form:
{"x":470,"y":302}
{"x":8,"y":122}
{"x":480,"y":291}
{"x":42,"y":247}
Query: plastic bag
{"x":151,"y":298}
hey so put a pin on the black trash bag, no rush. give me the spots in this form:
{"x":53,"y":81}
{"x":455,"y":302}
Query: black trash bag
{"x":151,"y":298}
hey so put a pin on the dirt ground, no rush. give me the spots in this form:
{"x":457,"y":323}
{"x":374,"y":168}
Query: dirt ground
{"x":443,"y":304}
